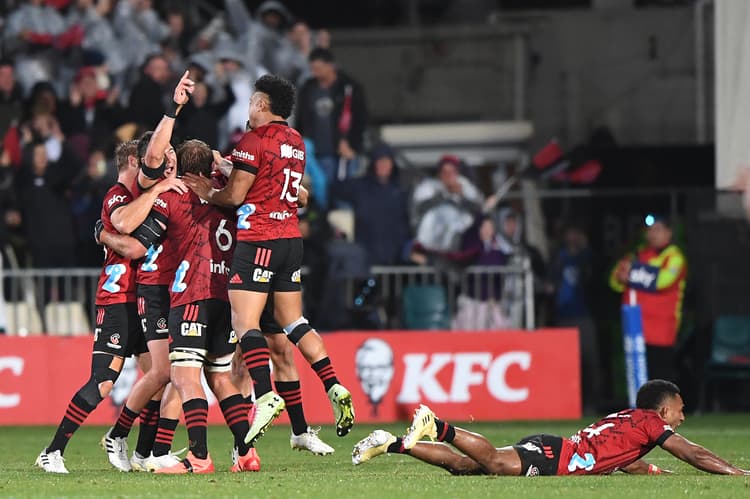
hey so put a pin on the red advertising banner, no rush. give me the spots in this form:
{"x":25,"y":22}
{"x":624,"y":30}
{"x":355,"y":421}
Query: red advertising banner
{"x":462,"y":376}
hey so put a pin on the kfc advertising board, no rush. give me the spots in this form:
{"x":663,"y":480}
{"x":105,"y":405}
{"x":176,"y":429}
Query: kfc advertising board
{"x":462,"y":376}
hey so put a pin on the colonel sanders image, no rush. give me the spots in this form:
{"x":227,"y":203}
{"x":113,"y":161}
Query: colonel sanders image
{"x":375,"y":370}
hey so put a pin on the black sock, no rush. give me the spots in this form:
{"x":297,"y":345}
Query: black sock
{"x":76,"y":413}
{"x":445,"y":431}
{"x":256,"y":356}
{"x":325,"y":372}
{"x":149,"y":422}
{"x":397,"y":447}
{"x":235,"y":409}
{"x":164,"y":436}
{"x":124,"y":423}
{"x":196,"y":420}
{"x":291,"y":392}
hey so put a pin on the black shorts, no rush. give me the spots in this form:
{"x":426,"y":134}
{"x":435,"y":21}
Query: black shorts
{"x":153,"y":309}
{"x":267,"y":266}
{"x":540,"y":454}
{"x":203,"y":325}
{"x":118,"y":330}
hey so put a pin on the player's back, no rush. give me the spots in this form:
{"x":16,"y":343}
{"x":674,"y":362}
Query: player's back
{"x":275,"y":153}
{"x":203,"y":240}
{"x":613,"y":442}
{"x":117,"y":279}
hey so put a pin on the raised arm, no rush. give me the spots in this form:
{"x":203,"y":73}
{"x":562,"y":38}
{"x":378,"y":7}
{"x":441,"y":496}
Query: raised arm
{"x":699,"y":457}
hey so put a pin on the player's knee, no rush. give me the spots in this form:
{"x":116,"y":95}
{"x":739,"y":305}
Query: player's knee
{"x":187,"y":357}
{"x":99,"y":385}
{"x":297,"y":329}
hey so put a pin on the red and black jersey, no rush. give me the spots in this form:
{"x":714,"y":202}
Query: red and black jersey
{"x":117,"y":280}
{"x":613,"y":442}
{"x":158,"y":265}
{"x":202,"y":237}
{"x":275,"y":154}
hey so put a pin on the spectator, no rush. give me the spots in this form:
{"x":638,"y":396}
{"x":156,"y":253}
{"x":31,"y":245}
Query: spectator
{"x":304,"y":41}
{"x":200,"y":117}
{"x":88,"y":192}
{"x":91,"y":114}
{"x":516,"y":249}
{"x":47,"y":219}
{"x":571,"y":274}
{"x":331,"y":110}
{"x":384,"y":231}
{"x":655,"y":277}
{"x":480,"y":307}
{"x":443,"y":207}
{"x":42,"y":100}
{"x":98,"y":34}
{"x":147,"y":96}
{"x":11,"y":98}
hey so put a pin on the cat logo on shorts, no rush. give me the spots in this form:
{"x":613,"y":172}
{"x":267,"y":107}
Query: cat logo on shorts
{"x":192,"y":329}
{"x":296,"y":276}
{"x":262,"y":275}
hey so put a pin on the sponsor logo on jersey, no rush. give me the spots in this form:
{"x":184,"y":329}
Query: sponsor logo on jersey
{"x":160,"y":202}
{"x":117,"y":198}
{"x":243,"y":155}
{"x":262,"y":275}
{"x":296,"y":275}
{"x":279,"y":215}
{"x":114,"y":341}
{"x":219,"y":267}
{"x":642,"y":276}
{"x":288,"y":151}
{"x":192,"y":329}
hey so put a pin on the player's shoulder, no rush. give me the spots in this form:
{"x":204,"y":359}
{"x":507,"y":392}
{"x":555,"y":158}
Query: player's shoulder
{"x":116,"y":195}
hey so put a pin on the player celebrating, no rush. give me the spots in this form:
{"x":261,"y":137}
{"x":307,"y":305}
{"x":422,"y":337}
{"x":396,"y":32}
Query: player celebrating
{"x":269,"y":163}
{"x":153,"y":276}
{"x":617,"y":442}
{"x":117,"y":325}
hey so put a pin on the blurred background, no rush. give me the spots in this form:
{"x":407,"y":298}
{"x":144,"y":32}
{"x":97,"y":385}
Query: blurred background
{"x":475,"y":165}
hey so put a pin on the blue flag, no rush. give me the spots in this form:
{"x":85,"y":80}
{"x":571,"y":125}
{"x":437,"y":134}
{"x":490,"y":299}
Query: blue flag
{"x":636,"y":369}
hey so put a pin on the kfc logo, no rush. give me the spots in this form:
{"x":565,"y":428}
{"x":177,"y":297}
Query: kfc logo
{"x":375,"y":370}
{"x":469,"y":369}
{"x":15,"y":366}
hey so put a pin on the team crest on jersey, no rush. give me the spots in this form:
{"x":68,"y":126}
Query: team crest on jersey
{"x":114,"y":341}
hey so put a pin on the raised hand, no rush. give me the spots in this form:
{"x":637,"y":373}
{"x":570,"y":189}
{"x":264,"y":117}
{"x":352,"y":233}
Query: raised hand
{"x":183,"y":90}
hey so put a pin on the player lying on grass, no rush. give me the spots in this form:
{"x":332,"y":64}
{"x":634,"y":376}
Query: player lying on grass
{"x":617,"y":442}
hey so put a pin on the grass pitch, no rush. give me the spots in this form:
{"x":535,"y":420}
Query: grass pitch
{"x":286,"y":473}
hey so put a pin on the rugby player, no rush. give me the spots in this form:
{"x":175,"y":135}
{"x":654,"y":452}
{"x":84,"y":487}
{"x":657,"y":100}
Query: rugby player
{"x":269,"y":163}
{"x":117,"y":326}
{"x":616,"y":443}
{"x":152,"y":280}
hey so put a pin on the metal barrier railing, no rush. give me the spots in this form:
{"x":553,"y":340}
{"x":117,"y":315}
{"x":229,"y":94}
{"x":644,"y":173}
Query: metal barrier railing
{"x":61,"y":301}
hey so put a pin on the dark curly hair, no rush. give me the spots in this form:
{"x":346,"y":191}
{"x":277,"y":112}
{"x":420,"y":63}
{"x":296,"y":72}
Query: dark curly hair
{"x":280,"y":92}
{"x":654,"y":392}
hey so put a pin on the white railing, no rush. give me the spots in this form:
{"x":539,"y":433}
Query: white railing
{"x":60,"y":301}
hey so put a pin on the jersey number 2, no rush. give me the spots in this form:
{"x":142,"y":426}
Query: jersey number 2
{"x":114,"y":272}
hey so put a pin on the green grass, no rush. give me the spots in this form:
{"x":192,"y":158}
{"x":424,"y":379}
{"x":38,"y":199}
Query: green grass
{"x":287,"y":473}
